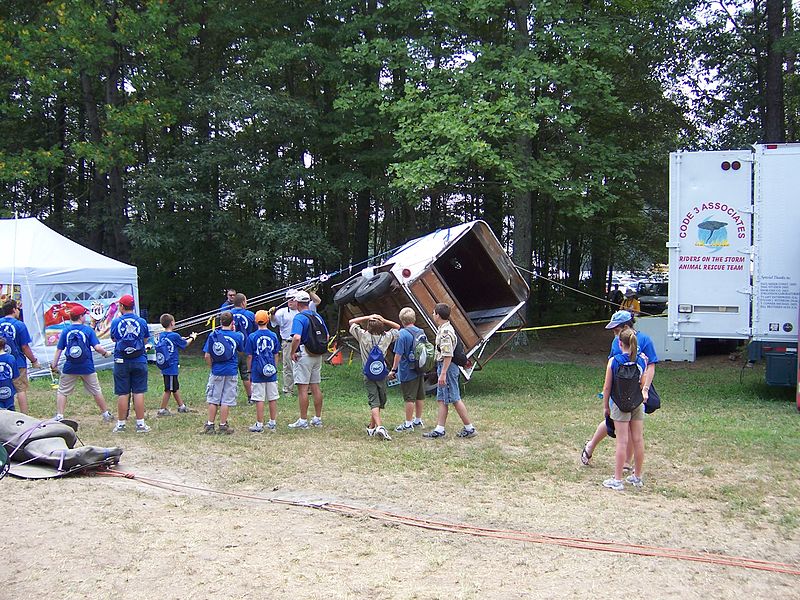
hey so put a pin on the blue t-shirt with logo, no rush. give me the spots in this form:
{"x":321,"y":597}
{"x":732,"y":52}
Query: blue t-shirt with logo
{"x":301,"y":324}
{"x":226,"y":367}
{"x":17,"y":336}
{"x":263,"y":345}
{"x":404,"y":346}
{"x":77,"y":341}
{"x":170,"y":338}
{"x":8,"y":372}
{"x":244,"y":320}
{"x":135,"y":325}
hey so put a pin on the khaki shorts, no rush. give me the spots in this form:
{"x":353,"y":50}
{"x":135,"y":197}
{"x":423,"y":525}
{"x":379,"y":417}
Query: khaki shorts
{"x":222,"y":390}
{"x":21,"y":382}
{"x":413,"y":390}
{"x":66,"y":384}
{"x":307,"y":369}
{"x":637,"y":414}
{"x":266,"y":390}
{"x":376,"y":393}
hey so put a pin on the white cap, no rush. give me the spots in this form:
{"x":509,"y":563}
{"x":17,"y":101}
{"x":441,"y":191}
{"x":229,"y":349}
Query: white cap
{"x":302,"y":297}
{"x":290,"y":294}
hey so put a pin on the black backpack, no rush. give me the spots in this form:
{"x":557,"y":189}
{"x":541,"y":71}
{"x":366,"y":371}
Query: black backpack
{"x":317,"y":342}
{"x":459,"y":355}
{"x":626,"y":390}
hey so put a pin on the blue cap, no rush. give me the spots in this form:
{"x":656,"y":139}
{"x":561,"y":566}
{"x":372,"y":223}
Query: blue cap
{"x":619,"y":318}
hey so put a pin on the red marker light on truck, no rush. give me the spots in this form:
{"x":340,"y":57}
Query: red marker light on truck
{"x":406,"y":273}
{"x":736,"y":165}
{"x":726,"y":165}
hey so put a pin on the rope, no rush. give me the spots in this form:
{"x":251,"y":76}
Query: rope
{"x":592,"y":296}
{"x":504,"y":534}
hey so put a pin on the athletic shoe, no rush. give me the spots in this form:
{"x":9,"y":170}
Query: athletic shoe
{"x":106,"y":417}
{"x":271,"y":427}
{"x":370,"y":431}
{"x":119,"y":428}
{"x":224,"y":429}
{"x":183,"y":409}
{"x":381,"y":432}
{"x":299,"y":424}
{"x":433,"y":434}
{"x":58,"y":418}
{"x":635,"y":481}
{"x":467,"y":433}
{"x":163,"y":412}
{"x":404,"y":427}
{"x":316,"y":422}
{"x":143,"y":428}
{"x":614,"y":484}
{"x":418,"y":424}
{"x":208,"y":429}
{"x":256,"y":428}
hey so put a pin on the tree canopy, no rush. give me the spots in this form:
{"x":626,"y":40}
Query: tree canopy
{"x":251,"y":144}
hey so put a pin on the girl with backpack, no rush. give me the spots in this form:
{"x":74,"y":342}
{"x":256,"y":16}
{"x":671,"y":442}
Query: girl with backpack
{"x":623,"y":402}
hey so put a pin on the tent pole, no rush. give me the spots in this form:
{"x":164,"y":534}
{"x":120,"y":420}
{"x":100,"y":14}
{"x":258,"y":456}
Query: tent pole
{"x":14,"y":258}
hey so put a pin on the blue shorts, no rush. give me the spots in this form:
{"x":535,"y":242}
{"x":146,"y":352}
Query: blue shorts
{"x":8,"y":403}
{"x":449,"y":392}
{"x":130,"y":378}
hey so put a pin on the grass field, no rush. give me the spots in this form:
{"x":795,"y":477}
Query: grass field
{"x":716,"y":438}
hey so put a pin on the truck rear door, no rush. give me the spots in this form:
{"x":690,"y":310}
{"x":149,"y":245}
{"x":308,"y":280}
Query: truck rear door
{"x":776,"y":267}
{"x":710,"y":209}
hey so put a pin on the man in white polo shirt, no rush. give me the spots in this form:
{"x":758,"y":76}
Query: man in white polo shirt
{"x":283,"y":318}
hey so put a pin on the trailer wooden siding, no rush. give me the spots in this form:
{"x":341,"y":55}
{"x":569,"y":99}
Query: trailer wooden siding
{"x":430,"y":290}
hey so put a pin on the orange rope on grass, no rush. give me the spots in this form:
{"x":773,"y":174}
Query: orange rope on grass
{"x":503,"y":534}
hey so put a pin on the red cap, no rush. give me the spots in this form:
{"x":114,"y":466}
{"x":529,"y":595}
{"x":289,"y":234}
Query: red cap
{"x":127,"y":301}
{"x":76,"y":310}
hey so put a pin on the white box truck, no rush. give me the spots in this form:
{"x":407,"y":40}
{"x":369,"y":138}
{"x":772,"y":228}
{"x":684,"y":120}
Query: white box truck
{"x":734,"y":251}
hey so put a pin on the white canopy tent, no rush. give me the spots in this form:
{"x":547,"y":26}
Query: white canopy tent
{"x":50,"y":273}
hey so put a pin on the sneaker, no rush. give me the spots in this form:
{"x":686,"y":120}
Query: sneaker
{"x":614,"y":484}
{"x":224,"y":429}
{"x":627,"y":469}
{"x":271,"y":427}
{"x":370,"y":431}
{"x":467,"y":433}
{"x":163,"y":412}
{"x":316,"y":422}
{"x":183,"y":409}
{"x":119,"y":428}
{"x":208,"y":429}
{"x":634,"y":481}
{"x":299,"y":424}
{"x":382,"y":433}
{"x":106,"y":417}
{"x":418,"y":424}
{"x":58,"y":418}
{"x":404,"y":427}
{"x":256,"y":428}
{"x":143,"y":428}
{"x":433,"y":434}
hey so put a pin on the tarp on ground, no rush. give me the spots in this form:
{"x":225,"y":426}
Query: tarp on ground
{"x":50,"y":273}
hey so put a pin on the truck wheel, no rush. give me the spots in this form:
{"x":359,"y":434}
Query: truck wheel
{"x":347,"y":293}
{"x":374,"y":287}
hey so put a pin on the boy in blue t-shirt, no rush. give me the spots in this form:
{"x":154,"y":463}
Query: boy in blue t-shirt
{"x":168,"y":350}
{"x":76,"y":342}
{"x":244,"y":321}
{"x":221,"y":354}
{"x":8,"y":373}
{"x":261,"y":347}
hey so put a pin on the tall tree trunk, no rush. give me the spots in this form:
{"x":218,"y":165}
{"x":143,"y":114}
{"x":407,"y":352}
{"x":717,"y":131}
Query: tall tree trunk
{"x":775,"y":120}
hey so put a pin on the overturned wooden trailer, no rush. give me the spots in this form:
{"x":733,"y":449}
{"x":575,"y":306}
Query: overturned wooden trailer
{"x":463,"y":266}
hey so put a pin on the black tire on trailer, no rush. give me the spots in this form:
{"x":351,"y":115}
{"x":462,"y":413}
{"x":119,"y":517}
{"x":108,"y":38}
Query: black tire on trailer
{"x":374,"y":287}
{"x":347,"y":293}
